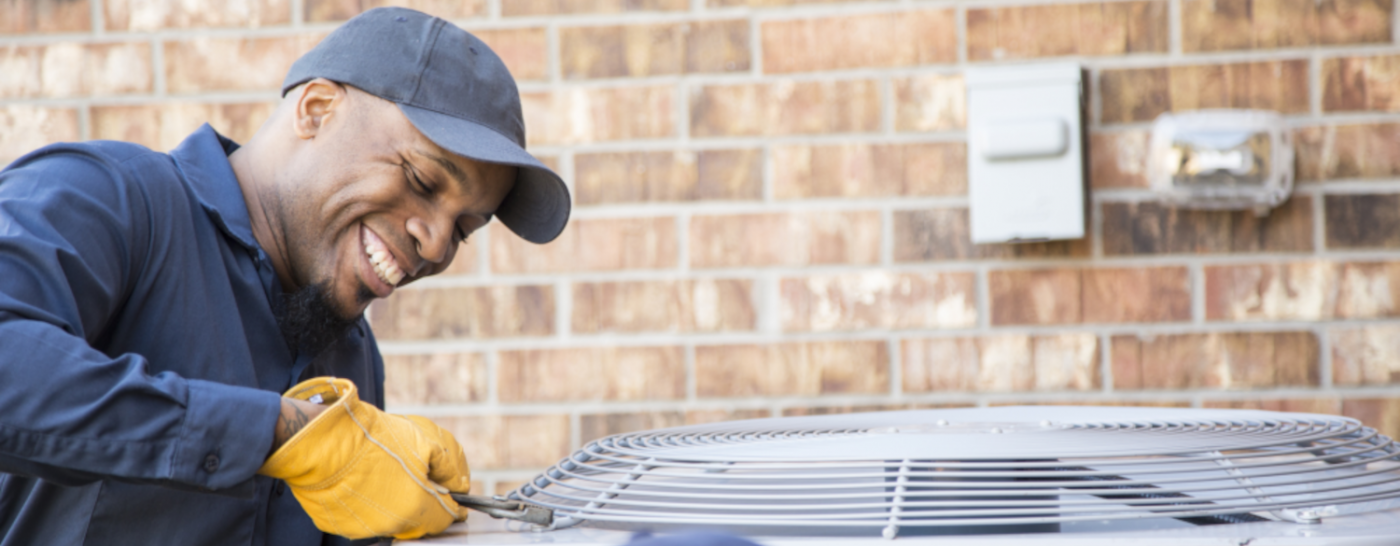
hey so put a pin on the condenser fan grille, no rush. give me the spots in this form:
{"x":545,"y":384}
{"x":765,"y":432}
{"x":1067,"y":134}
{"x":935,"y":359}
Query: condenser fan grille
{"x":1033,"y":468}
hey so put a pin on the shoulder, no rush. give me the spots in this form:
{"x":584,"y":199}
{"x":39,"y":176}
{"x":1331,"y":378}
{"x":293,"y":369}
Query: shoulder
{"x":120,"y":174}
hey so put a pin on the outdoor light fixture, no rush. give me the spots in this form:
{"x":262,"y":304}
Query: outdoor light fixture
{"x":1222,"y":159}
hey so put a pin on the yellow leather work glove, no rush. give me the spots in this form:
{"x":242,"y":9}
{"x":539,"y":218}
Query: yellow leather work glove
{"x":360,"y":472}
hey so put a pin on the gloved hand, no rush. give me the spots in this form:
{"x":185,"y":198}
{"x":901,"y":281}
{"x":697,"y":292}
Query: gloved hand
{"x":360,"y":472}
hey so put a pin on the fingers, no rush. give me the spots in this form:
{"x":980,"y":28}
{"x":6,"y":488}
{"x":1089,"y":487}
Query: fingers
{"x":447,"y":464}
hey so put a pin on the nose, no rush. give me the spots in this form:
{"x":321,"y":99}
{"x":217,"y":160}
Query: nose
{"x":433,"y":239}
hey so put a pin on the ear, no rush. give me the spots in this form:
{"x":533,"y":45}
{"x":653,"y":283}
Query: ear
{"x":319,"y":100}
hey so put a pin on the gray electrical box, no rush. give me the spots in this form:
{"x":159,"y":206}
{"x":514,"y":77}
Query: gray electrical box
{"x":1025,"y":159}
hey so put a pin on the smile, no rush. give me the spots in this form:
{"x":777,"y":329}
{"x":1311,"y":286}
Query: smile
{"x":383,"y":262}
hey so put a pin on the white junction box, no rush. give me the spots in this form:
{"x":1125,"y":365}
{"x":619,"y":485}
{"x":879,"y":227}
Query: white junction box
{"x":1025,"y":152}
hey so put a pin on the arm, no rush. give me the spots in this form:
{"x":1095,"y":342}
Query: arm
{"x":72,"y":241}
{"x":293,"y":417}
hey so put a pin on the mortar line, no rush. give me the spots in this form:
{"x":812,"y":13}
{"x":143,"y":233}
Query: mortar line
{"x":689,"y":363}
{"x":886,"y":237}
{"x":493,"y":10}
{"x":683,"y":242}
{"x":1174,"y":28}
{"x":960,"y":33}
{"x":984,"y":300}
{"x":493,"y":379}
{"x":1106,"y":363}
{"x":99,"y":21}
{"x":1315,"y":84}
{"x":1198,"y":293}
{"x":575,"y":430}
{"x":85,"y":122}
{"x":298,"y":15}
{"x":1324,"y":356}
{"x":896,"y":369}
{"x":158,"y":87}
{"x":552,"y":57}
{"x":755,"y":48}
{"x":564,"y":305}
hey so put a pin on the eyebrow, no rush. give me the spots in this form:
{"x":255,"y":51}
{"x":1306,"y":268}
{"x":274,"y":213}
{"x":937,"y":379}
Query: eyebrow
{"x":452,"y":169}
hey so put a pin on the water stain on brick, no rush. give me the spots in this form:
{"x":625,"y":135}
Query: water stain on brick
{"x":879,"y":300}
{"x":792,"y":369}
{"x":595,"y":426}
{"x":68,"y":69}
{"x":494,"y":442}
{"x":465,"y":313}
{"x":1102,"y":295}
{"x":1215,"y":361}
{"x":1361,"y":83}
{"x":1095,"y":28}
{"x":36,"y":16}
{"x":1381,"y":413}
{"x":654,"y":50}
{"x":870,"y":170}
{"x":517,"y":8}
{"x":579,"y":115}
{"x":24,"y":128}
{"x":785,"y":108}
{"x":1140,"y":94}
{"x":1327,"y":406}
{"x":340,"y":10}
{"x":525,"y":51}
{"x":1303,"y":291}
{"x":430,"y":379}
{"x":944,"y":234}
{"x":1143,"y":228}
{"x":1118,"y":159}
{"x":632,"y":177}
{"x":1368,"y":355}
{"x":603,"y":244}
{"x":1348,"y":151}
{"x":1008,"y":363}
{"x":1220,"y":25}
{"x":1357,"y":221}
{"x":701,"y":305}
{"x":164,"y":126}
{"x":906,"y":38}
{"x":789,"y":239}
{"x":931,"y":102}
{"x":591,"y":374}
{"x":139,"y":15}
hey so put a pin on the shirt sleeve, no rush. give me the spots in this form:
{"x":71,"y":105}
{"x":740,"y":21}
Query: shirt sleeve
{"x":74,"y":235}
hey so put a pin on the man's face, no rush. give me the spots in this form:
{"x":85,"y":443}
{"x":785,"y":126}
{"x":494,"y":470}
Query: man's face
{"x":373,"y":204}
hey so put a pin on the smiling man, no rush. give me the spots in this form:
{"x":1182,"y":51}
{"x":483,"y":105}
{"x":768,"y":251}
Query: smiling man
{"x":183,"y":356}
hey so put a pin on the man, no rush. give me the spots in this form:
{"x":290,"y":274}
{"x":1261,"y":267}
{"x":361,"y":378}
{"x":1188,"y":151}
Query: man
{"x":153,"y":306}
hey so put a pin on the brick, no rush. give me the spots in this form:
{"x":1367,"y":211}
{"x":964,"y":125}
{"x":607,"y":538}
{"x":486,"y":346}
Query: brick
{"x":1361,"y":83}
{"x":1219,"y":25}
{"x":1145,"y":228}
{"x":633,"y":177}
{"x":1215,"y":361}
{"x":792,"y":369}
{"x":574,"y":116}
{"x":1112,"y":402}
{"x":34,"y":16}
{"x":25,"y":128}
{"x":591,"y":374}
{"x":1347,"y":151}
{"x":1381,"y":413}
{"x":785,"y":108}
{"x":809,"y":238}
{"x":870,"y":170}
{"x":232,"y":64}
{"x":1358,"y":221}
{"x":906,"y":38}
{"x":145,"y":15}
{"x":1365,"y":356}
{"x":944,"y":234}
{"x":861,"y":408}
{"x":1001,"y":363}
{"x":73,"y":70}
{"x":164,"y":126}
{"x":1139,"y":94}
{"x":595,"y":426}
{"x":498,"y":442}
{"x":516,"y":8}
{"x":622,"y":51}
{"x":1302,"y":291}
{"x":525,"y":51}
{"x":1118,"y":159}
{"x":604,"y":244}
{"x":1098,"y":28}
{"x":1067,"y":296}
{"x":430,"y":379}
{"x":465,"y":313}
{"x":1149,"y":294}
{"x":340,"y":10}
{"x":701,"y":417}
{"x":706,"y":305}
{"x":503,"y":487}
{"x":931,"y":102}
{"x":879,"y":299}
{"x":1329,"y":406}
{"x":465,"y":262}
{"x":773,"y":3}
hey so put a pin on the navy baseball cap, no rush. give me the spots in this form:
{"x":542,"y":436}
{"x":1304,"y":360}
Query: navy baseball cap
{"x":455,"y":90}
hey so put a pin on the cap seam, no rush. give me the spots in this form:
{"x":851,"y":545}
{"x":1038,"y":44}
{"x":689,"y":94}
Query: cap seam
{"x":425,"y":60}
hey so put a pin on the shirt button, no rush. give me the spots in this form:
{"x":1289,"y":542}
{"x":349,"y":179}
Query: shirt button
{"x":211,"y":463}
{"x":279,"y":488}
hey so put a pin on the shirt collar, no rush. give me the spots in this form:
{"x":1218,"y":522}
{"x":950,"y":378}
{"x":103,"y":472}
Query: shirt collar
{"x":203,"y":159}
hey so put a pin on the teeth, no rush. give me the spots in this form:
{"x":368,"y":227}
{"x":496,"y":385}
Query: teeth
{"x":383,"y":263}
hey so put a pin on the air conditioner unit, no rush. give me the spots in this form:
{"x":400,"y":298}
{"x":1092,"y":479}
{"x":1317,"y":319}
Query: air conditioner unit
{"x":986,"y":476}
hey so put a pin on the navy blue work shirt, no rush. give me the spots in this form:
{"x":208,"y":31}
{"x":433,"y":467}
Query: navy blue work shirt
{"x":140,"y":357}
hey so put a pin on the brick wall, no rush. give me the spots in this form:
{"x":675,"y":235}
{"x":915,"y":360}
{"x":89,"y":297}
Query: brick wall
{"x":772,"y":214}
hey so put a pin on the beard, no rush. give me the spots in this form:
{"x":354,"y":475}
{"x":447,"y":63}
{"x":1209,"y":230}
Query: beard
{"x":310,"y":321}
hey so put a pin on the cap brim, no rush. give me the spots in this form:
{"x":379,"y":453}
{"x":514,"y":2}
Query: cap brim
{"x":537,"y":208}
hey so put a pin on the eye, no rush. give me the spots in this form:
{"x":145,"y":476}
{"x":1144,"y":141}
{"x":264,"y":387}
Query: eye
{"x":461,"y":235}
{"x":413,"y":178}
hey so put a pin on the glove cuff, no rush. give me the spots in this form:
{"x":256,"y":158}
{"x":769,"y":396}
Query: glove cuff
{"x":313,"y":454}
